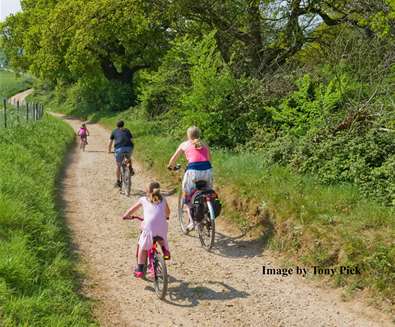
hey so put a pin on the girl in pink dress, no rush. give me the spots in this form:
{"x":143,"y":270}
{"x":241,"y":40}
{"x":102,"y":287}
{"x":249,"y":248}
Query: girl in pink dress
{"x":156,"y":210}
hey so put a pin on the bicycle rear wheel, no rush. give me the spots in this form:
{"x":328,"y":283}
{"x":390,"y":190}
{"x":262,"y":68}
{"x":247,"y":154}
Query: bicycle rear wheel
{"x":161,"y":278}
{"x":126,"y":180}
{"x":183,"y":217}
{"x":206,"y":228}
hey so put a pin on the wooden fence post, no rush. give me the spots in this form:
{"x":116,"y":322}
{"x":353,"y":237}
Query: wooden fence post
{"x":27,"y":111}
{"x":17,"y":111}
{"x":5,"y":112}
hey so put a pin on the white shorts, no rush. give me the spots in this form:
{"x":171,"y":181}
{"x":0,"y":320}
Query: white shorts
{"x":191,"y":176}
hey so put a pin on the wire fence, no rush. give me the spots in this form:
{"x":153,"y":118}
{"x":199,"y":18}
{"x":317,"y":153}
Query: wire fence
{"x":12,"y":115}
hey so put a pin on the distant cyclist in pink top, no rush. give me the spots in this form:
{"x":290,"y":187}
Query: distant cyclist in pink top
{"x":83,"y":133}
{"x":199,"y":164}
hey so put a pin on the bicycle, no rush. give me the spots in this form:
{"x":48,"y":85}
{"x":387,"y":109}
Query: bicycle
{"x":126,"y":174}
{"x":83,"y":143}
{"x":205,"y":207}
{"x":157,"y":262}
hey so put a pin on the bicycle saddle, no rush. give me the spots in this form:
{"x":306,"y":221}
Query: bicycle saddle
{"x":157,"y":239}
{"x":201,"y":184}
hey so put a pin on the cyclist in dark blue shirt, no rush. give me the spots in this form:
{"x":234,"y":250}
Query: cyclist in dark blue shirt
{"x":121,"y":137}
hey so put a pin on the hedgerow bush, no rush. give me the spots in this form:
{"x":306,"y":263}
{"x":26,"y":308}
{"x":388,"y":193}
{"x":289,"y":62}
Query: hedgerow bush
{"x":314,"y":131}
{"x":194,"y":87}
{"x":94,"y":95}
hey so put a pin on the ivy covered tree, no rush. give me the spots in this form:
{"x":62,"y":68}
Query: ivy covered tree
{"x":263,"y":35}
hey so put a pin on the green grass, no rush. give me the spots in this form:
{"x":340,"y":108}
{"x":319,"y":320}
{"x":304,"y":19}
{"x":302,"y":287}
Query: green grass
{"x":10,"y":84}
{"x":38,"y":282}
{"x":313,"y":224}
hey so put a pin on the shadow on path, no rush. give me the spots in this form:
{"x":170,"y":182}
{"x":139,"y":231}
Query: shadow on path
{"x":238,"y":246}
{"x":180,"y":292}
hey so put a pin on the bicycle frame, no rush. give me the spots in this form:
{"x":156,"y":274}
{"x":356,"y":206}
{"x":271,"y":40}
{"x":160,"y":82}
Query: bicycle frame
{"x":151,"y":253}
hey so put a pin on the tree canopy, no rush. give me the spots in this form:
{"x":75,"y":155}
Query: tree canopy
{"x":114,"y":39}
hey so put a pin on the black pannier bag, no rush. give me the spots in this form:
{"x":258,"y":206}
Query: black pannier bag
{"x":199,"y":208}
{"x":217,"y":206}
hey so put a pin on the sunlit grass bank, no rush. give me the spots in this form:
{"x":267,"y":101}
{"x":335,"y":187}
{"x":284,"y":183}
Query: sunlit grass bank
{"x":38,"y":284}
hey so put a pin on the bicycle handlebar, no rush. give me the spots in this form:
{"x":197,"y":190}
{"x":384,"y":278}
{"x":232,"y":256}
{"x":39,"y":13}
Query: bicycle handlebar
{"x":175,"y":168}
{"x":137,"y":218}
{"x":132,"y":218}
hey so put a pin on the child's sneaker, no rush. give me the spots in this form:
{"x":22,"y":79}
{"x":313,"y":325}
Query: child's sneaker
{"x":138,"y":274}
{"x":139,"y":271}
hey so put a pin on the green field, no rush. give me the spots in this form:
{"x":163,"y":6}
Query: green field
{"x":11,"y":84}
{"x":37,"y":275}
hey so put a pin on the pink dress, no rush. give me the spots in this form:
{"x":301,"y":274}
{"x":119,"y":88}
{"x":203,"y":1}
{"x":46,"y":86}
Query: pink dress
{"x":154,"y":223}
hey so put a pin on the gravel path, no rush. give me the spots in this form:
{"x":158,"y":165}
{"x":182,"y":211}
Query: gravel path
{"x":223,"y":288}
{"x":20,"y":97}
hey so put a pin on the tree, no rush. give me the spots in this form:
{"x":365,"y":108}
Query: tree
{"x":268,"y":33}
{"x":67,"y":41}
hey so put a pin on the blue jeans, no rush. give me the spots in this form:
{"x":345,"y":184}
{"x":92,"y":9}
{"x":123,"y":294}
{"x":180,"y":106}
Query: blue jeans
{"x":122,"y":150}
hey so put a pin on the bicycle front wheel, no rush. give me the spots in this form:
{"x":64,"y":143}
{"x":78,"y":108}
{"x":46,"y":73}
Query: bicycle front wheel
{"x":183,"y":217}
{"x":206,"y":228}
{"x":161,"y":278}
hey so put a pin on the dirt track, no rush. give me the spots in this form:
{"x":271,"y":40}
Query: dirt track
{"x":20,"y":97}
{"x":223,"y":288}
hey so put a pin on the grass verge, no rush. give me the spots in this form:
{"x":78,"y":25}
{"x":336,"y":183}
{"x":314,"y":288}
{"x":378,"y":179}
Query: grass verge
{"x":38,"y":285}
{"x":312,"y":224}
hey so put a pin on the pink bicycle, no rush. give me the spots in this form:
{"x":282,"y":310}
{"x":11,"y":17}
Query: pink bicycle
{"x":157,"y":264}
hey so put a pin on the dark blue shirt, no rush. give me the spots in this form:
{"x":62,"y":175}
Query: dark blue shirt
{"x":121,"y":137}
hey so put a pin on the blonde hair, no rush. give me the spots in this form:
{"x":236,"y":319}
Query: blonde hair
{"x":194,"y":133}
{"x":154,"y":195}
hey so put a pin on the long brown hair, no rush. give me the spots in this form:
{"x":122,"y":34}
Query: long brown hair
{"x":194,"y":134}
{"x":154,"y":195}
